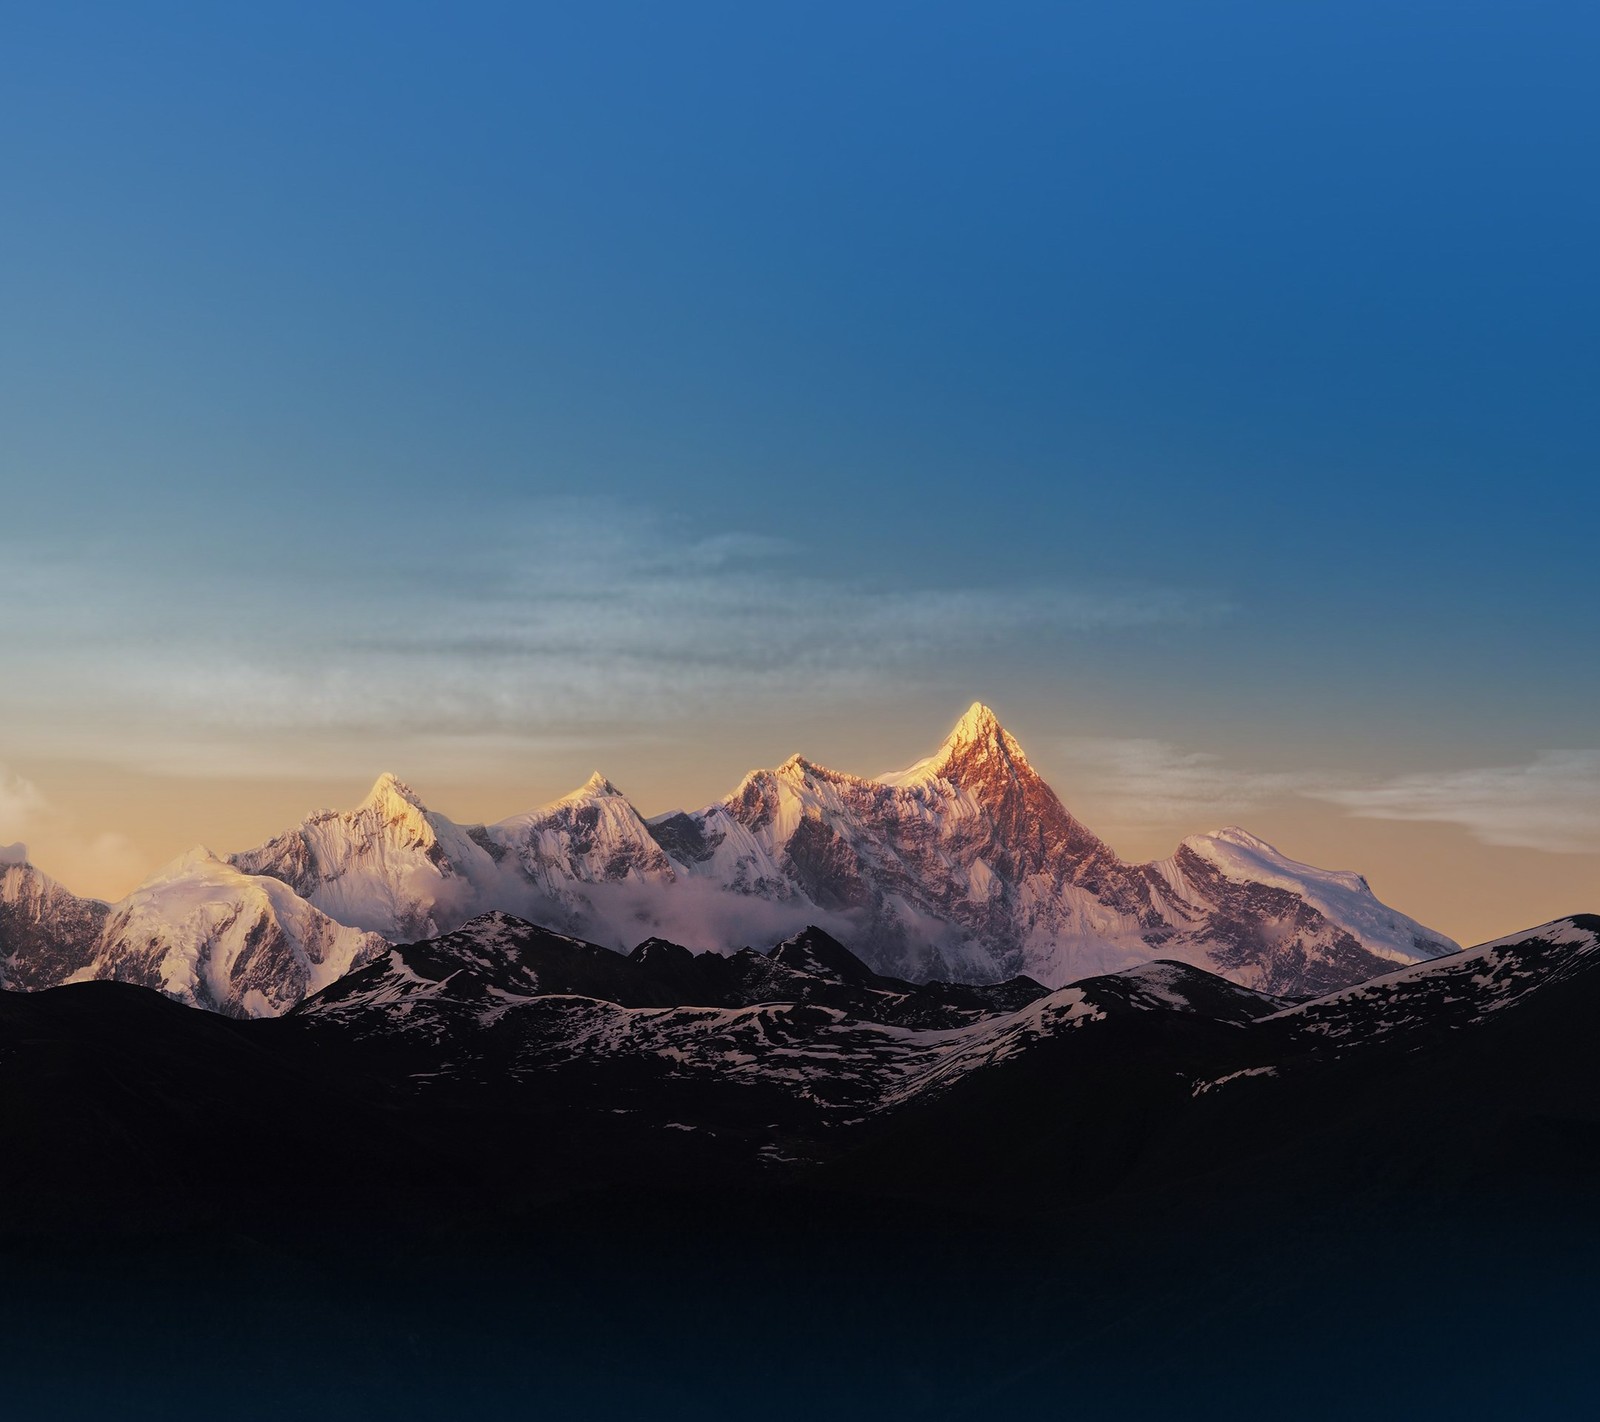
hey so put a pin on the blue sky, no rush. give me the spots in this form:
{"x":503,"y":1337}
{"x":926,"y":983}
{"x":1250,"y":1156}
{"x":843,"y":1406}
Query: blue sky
{"x":499,"y":390}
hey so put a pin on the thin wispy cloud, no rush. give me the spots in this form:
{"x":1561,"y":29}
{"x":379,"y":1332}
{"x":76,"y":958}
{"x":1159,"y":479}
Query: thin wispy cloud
{"x":1551,"y":803}
{"x":582,"y":614}
{"x":34,"y":828}
{"x":1152,"y":784}
{"x":20,"y":806}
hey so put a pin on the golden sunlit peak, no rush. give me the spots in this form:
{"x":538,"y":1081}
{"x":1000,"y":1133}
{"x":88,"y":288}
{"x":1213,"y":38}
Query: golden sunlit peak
{"x":596,"y":786}
{"x":389,"y":787}
{"x":979,"y":727}
{"x":978,"y":724}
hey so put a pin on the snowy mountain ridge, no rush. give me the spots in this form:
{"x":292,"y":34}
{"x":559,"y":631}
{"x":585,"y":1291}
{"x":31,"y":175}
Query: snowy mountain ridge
{"x":963,"y":867}
{"x":207,"y":934}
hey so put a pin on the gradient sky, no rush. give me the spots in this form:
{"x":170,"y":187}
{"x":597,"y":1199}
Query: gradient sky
{"x":493,"y":392}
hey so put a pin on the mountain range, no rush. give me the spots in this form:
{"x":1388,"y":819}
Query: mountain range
{"x":965,"y":868}
{"x":503,"y":1167}
{"x":503,"y":1064}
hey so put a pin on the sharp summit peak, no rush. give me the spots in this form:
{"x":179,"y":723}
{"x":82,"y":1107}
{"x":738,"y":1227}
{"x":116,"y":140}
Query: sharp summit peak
{"x":980,"y":716}
{"x":979,"y":728}
{"x":390,"y":786}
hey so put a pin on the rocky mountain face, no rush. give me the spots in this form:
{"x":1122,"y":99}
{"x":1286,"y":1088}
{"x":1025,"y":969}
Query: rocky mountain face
{"x":529,"y":1061}
{"x":806,"y":1057}
{"x":1462,"y":991}
{"x":966,"y":867}
{"x":485,"y":972}
{"x":807,"y":1032}
{"x":46,"y":933}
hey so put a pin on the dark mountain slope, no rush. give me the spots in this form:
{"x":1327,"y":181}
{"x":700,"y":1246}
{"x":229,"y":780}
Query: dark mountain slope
{"x":462,"y":1185}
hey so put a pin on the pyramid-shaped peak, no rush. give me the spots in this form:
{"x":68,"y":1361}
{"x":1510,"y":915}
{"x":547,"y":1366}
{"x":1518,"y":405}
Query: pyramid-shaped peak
{"x":389,"y":791}
{"x":596,"y":787}
{"x":819,"y":953}
{"x":977,"y":744}
{"x":660,"y":953}
{"x":979,"y":735}
{"x":977,"y":725}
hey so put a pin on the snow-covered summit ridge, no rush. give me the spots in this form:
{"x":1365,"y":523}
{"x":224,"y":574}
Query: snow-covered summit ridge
{"x":202,"y":931}
{"x":596,"y":787}
{"x":1341,"y":896}
{"x":391,"y":866}
{"x":392,"y":795}
{"x":977,"y":737}
{"x":1241,"y":856}
{"x":965,"y":868}
{"x":979,"y":731}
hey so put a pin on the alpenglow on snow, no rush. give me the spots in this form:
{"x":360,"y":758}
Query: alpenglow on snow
{"x":966,"y":867}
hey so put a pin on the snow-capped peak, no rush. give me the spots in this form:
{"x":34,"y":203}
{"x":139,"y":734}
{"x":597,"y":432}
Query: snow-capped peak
{"x":1244,"y":856}
{"x":978,"y":723}
{"x":390,"y":792}
{"x":390,"y":866}
{"x":13,"y":854}
{"x":980,"y":731}
{"x":1341,"y":896}
{"x":977,"y":740}
{"x":967,"y":865}
{"x":207,"y":933}
{"x":596,"y":787}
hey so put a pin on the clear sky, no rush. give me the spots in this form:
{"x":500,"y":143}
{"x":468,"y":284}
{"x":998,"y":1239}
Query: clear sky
{"x":493,"y":392}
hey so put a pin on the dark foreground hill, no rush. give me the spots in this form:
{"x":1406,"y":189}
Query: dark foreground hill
{"x":505,"y":1173}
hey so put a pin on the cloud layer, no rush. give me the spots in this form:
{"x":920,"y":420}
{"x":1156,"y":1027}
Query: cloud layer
{"x":1153,"y":784}
{"x":582,"y":620}
{"x":1551,"y":803}
{"x":580,"y":616}
{"x":20,"y":806}
{"x":51,"y":839}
